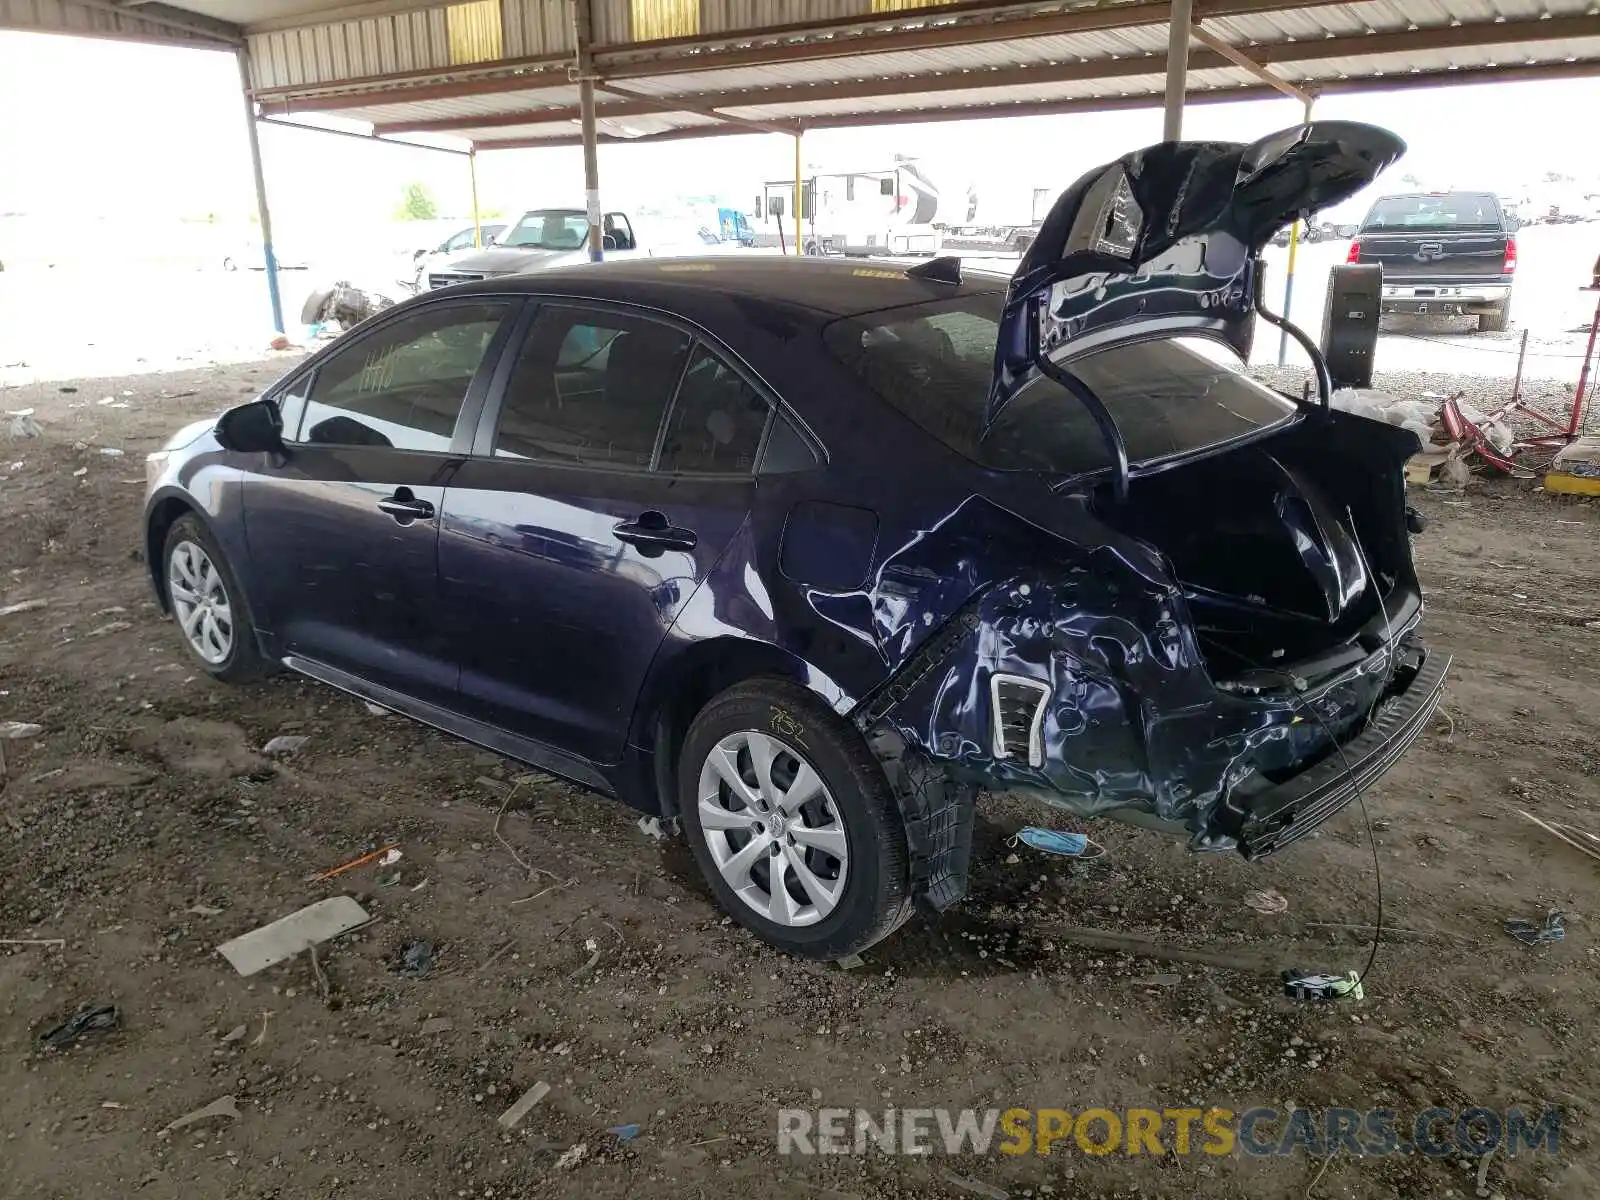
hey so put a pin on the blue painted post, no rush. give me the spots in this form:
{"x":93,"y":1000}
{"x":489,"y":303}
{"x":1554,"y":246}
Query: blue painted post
{"x":262,"y":211}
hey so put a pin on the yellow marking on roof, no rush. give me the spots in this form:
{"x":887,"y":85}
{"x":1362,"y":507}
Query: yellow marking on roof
{"x":877,"y":273}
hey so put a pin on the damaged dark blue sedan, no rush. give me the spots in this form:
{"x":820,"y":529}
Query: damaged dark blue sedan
{"x":805,"y":553}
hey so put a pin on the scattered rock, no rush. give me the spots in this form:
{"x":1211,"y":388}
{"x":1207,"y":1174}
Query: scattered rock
{"x":110,"y":627}
{"x":436,"y":1025}
{"x":16,"y":730}
{"x":285,"y":744}
{"x":22,"y":606}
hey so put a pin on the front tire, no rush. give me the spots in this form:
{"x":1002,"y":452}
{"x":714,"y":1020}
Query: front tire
{"x":792,"y":822}
{"x":209,"y":605}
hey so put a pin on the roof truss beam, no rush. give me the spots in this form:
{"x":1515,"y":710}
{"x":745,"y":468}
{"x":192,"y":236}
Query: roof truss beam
{"x":1258,"y":58}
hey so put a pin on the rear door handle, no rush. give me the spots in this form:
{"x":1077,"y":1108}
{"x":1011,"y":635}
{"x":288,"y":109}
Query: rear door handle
{"x":652,"y":534}
{"x":405,"y":507}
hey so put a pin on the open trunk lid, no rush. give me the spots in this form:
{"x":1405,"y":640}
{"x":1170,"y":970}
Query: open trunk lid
{"x":1163,"y":241}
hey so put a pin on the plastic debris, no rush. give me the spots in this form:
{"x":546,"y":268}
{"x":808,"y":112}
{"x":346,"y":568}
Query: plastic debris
{"x":111,"y":452}
{"x":288,"y":936}
{"x":512,"y":1117}
{"x":88,"y":1020}
{"x":17,"y":730}
{"x":1529,"y":933}
{"x":380,"y":855}
{"x":1266,"y":901}
{"x":1052,"y":841}
{"x":80,"y":472}
{"x":851,"y":961}
{"x":416,"y":959}
{"x":287,"y":743}
{"x":572,"y":1156}
{"x":223,"y":1107}
{"x":624,"y":1133}
{"x":236,"y":1034}
{"x":25,"y":426}
{"x":652,"y":828}
{"x":376,"y":710}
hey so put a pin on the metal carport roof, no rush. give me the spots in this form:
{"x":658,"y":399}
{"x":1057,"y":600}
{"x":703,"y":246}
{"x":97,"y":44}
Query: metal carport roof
{"x":502,"y":73}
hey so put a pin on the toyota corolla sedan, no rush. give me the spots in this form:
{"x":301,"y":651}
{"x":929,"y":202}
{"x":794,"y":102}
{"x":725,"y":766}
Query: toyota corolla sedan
{"x":805,"y":553}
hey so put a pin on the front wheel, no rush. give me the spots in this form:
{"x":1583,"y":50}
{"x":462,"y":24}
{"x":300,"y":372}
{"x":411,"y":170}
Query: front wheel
{"x":209,"y":605}
{"x":792,"y":822}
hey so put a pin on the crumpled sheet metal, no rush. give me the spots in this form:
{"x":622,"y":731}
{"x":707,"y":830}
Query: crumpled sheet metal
{"x":1133,"y":719}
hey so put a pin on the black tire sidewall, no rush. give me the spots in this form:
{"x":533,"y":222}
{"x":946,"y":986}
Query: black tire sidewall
{"x":244,"y":659}
{"x":876,"y":889}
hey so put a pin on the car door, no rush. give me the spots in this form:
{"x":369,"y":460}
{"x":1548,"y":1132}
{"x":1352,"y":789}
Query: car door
{"x":612,"y":470}
{"x":345,"y":525}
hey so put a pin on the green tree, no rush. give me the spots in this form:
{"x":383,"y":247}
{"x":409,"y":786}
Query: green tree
{"x":418,"y":204}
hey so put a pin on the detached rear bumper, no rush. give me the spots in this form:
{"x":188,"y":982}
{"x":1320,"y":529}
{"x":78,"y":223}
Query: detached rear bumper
{"x":1267,"y":821}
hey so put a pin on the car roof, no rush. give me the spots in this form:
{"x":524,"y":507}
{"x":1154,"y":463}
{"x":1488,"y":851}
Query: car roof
{"x":830,"y":287}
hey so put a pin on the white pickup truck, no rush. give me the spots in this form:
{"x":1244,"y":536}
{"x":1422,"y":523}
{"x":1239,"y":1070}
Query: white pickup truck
{"x":540,"y":239}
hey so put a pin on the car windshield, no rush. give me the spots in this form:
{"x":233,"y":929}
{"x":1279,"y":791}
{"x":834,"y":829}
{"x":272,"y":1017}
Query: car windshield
{"x":548,"y":229}
{"x":1168,"y":396}
{"x":1448,"y":210}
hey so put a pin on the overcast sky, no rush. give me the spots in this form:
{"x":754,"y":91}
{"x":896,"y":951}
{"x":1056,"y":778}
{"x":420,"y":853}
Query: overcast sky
{"x":94,"y":127}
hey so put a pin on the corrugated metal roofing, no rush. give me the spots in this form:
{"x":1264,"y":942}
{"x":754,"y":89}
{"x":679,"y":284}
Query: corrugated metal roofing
{"x":817,"y":61}
{"x":91,"y":20}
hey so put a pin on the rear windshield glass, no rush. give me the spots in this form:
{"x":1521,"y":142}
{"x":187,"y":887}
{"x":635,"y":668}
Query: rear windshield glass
{"x":933,"y":362}
{"x":1451,"y":210}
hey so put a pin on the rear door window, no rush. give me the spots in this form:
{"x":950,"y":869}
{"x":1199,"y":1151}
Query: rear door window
{"x":716,"y":422}
{"x":590,"y":388}
{"x":1449,"y":210}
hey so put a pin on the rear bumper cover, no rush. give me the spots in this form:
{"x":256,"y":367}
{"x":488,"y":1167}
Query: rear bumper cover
{"x":1269,"y":820}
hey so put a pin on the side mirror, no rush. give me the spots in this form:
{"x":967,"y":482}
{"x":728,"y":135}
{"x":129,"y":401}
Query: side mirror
{"x":416,"y":254}
{"x":253,"y":428}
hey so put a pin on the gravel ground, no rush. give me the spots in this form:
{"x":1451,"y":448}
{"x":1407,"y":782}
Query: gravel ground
{"x":144,"y":825}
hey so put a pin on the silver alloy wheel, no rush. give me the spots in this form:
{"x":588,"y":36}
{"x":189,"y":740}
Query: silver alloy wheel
{"x":773,"y":829}
{"x":200,"y":602}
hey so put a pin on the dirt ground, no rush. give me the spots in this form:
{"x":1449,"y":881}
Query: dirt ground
{"x":144,"y":826}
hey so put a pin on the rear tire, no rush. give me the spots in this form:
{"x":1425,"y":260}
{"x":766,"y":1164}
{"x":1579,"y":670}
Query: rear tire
{"x":840,"y":850}
{"x":209,"y":605}
{"x":1497,"y":320}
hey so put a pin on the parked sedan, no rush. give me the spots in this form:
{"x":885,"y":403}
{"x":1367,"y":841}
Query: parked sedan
{"x":803,"y":553}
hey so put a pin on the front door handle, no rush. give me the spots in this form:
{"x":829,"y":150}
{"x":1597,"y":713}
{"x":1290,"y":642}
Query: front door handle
{"x":652,"y":534}
{"x":405,"y":507}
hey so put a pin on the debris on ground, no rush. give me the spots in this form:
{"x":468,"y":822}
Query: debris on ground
{"x":288,"y":936}
{"x":435,"y":1025}
{"x":1055,"y":841}
{"x":376,"y":710}
{"x":285,"y":743}
{"x":416,"y":959}
{"x":236,"y":1034}
{"x":1552,"y":929}
{"x":109,"y":627}
{"x":652,"y":828}
{"x":380,"y":855}
{"x":624,"y":1133}
{"x":223,"y":1107}
{"x":851,"y":961}
{"x":16,"y":730}
{"x":24,"y":426}
{"x":22,"y":606}
{"x":1266,"y":901}
{"x":512,"y":1116}
{"x":55,"y":942}
{"x":572,"y":1156}
{"x":89,"y":1020}
{"x":1556,"y":831}
{"x":976,"y":1186}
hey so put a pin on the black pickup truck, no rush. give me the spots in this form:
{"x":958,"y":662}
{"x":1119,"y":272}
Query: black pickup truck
{"x":1448,"y":253}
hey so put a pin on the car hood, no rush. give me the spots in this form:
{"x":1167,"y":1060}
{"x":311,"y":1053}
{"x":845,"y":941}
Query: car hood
{"x":512,"y":260}
{"x":1164,"y":241}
